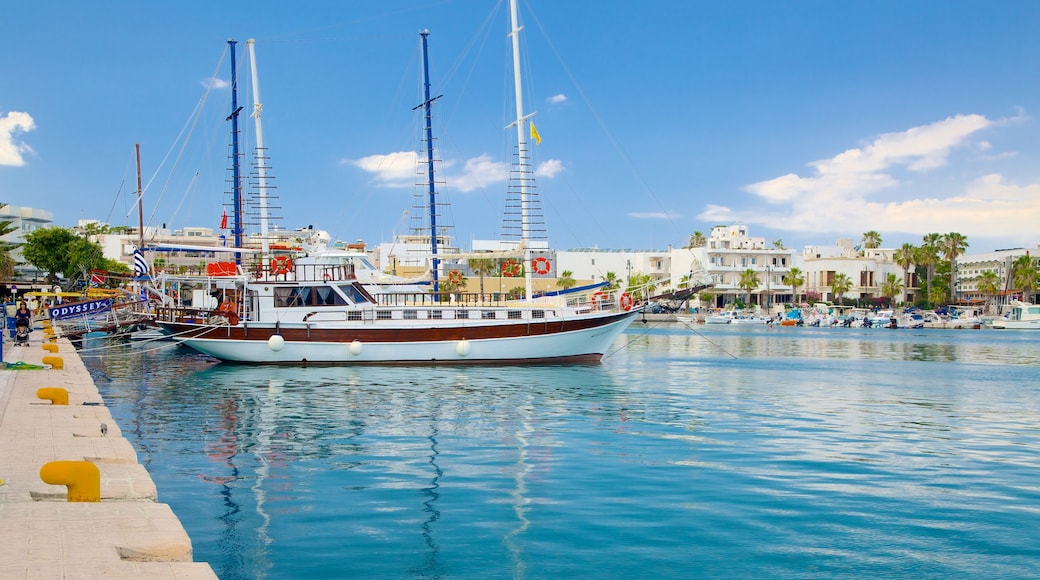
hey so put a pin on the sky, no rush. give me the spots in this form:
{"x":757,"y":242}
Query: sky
{"x":807,"y":121}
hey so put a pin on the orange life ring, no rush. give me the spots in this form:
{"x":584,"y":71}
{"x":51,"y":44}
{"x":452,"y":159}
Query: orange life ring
{"x":281,"y":265}
{"x":625,"y":302}
{"x":510,"y":268}
{"x":541,"y":265}
{"x":596,"y":299}
{"x":455,"y":277}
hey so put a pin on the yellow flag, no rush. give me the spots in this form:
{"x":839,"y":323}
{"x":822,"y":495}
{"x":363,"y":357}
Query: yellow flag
{"x":534,"y":134}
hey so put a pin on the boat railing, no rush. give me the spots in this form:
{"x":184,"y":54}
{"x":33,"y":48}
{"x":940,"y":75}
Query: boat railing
{"x":285,"y":270}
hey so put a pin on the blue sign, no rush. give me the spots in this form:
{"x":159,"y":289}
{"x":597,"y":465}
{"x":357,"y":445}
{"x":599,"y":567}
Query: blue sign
{"x":71,"y":309}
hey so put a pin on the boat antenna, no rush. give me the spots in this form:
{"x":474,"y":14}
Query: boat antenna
{"x":261,"y":170}
{"x":236,"y":174}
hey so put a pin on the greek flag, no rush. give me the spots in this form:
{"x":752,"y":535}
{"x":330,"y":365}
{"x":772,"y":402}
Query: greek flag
{"x":140,"y":264}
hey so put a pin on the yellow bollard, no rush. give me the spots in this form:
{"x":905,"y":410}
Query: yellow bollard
{"x":82,"y":478}
{"x":56,"y":362}
{"x":50,"y":347}
{"x":56,"y":395}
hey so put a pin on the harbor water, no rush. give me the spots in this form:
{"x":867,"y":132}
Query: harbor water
{"x":703,"y":451}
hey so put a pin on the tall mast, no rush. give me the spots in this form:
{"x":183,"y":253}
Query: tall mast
{"x":427,"y":110}
{"x":261,"y":170}
{"x":140,"y":200}
{"x":236,"y":173}
{"x":521,"y":142}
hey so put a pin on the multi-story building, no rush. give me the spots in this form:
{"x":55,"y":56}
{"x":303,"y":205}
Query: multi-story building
{"x":729,"y":251}
{"x":24,"y":220}
{"x":971,"y":267}
{"x":867,"y":269}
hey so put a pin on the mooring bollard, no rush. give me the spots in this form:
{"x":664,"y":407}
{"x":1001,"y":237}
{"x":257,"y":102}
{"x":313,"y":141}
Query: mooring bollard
{"x":82,"y":478}
{"x":56,"y":395}
{"x":50,"y":347}
{"x":56,"y":362}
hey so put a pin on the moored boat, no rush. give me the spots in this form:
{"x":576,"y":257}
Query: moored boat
{"x":1023,"y":316}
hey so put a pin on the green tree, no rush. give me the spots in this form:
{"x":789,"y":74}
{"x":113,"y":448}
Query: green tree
{"x":905,"y":257}
{"x":840,"y":285}
{"x":891,"y":287}
{"x":83,"y":257}
{"x":989,"y":284}
{"x":50,"y":250}
{"x":641,"y":286}
{"x":748,"y":282}
{"x":795,"y":279}
{"x":566,"y":280}
{"x":482,"y":267}
{"x":871,"y":239}
{"x":1024,"y":276}
{"x":697,"y":240}
{"x":778,"y":244}
{"x":928,"y":256}
{"x":612,"y":280}
{"x":952,"y":246}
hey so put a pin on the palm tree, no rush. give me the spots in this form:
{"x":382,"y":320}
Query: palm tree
{"x":951,"y":246}
{"x":697,"y":240}
{"x":612,"y":280}
{"x":7,"y":262}
{"x":871,"y":239}
{"x":482,"y":267}
{"x":988,"y":283}
{"x":566,"y":280}
{"x":891,"y":286}
{"x":905,"y":256}
{"x":840,"y":285}
{"x":795,"y":279}
{"x":778,"y":244}
{"x":748,"y":282}
{"x":1024,"y":276}
{"x":928,"y":256}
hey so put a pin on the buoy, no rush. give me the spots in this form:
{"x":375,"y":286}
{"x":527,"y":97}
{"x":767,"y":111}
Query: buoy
{"x":56,"y":362}
{"x":56,"y":395}
{"x":462,"y":348}
{"x":276,"y":342}
{"x":82,"y":478}
{"x":355,"y":347}
{"x":50,"y":347}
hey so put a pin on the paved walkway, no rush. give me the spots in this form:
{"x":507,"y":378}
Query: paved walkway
{"x":128,"y":534}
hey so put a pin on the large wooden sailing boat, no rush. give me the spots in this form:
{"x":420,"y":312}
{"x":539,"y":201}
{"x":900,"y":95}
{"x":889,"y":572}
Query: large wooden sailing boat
{"x":286,"y":312}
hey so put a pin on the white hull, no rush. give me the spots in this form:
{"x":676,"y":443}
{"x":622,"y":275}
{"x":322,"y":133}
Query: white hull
{"x":587,"y":344}
{"x":1017,"y":324}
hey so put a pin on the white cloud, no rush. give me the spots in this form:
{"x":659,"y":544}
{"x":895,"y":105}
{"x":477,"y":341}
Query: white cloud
{"x":215,"y":83}
{"x":655,"y":215}
{"x":477,"y":173}
{"x":843,"y":193}
{"x":557,"y":98}
{"x":391,"y":170}
{"x":549,"y":169}
{"x":11,"y":150}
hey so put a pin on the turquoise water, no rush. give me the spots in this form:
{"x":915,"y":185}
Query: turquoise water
{"x":690,"y":452}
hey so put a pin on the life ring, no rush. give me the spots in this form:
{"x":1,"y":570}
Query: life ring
{"x":455,"y":277}
{"x":281,"y":265}
{"x":510,"y":268}
{"x":596,"y":299}
{"x":625,"y":302}
{"x":541,"y":265}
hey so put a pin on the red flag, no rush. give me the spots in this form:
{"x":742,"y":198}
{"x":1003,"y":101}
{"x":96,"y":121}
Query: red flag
{"x":223,"y":220}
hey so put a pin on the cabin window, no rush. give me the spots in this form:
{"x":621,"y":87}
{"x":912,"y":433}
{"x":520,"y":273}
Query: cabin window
{"x":461,"y":314}
{"x":487,"y":314}
{"x":538,"y":314}
{"x":353,"y":294}
{"x":411,"y":315}
{"x":515,"y":315}
{"x":354,"y":315}
{"x":289,"y":297}
{"x":436,"y":314}
{"x":383,"y":315}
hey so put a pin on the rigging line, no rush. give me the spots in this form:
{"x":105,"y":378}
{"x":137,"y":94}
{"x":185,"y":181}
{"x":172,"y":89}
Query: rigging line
{"x":184,"y":145}
{"x":606,"y":129}
{"x":711,"y":342}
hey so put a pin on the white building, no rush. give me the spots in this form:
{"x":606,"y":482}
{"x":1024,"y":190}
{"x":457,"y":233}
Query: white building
{"x":970,"y":268}
{"x":867,"y":269}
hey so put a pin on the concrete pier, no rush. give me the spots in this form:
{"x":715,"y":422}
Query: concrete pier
{"x":128,"y":533}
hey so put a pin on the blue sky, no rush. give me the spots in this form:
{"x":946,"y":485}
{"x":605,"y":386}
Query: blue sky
{"x":806,"y":120}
